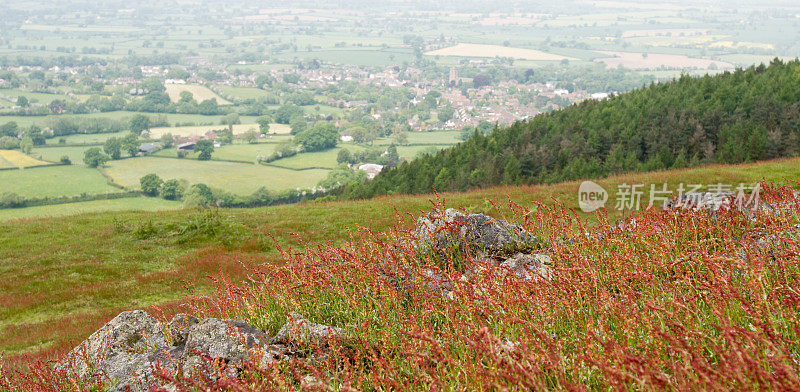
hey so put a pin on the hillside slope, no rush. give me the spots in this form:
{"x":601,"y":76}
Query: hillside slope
{"x":541,"y":299}
{"x":741,"y":116}
{"x":82,"y":270}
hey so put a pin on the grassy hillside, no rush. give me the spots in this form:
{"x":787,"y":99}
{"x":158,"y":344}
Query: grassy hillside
{"x":65,"y":277}
{"x":740,"y":116}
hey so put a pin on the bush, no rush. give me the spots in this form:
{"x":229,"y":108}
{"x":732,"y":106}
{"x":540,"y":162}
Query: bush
{"x":199,"y":195}
{"x":8,"y":143}
{"x":204,"y":148}
{"x":11,"y":200}
{"x":65,"y":160}
{"x":93,"y":157}
{"x":172,"y":190}
{"x":151,"y":184}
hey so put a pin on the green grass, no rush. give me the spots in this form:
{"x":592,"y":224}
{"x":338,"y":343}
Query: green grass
{"x":89,"y":138}
{"x":93,"y":265}
{"x":432,"y":138}
{"x":125,"y":204}
{"x":54,"y":154}
{"x":324,"y":159}
{"x":241,"y":92}
{"x":172,"y":118}
{"x":53,"y":181}
{"x":411,"y":152}
{"x":238,"y":178}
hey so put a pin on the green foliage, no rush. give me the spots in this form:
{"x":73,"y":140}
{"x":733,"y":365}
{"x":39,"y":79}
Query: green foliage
{"x":26,"y":145}
{"x":11,"y":200}
{"x":298,"y":124}
{"x":167,"y":140}
{"x":130,"y":143}
{"x":113,"y":147}
{"x":94,"y":157}
{"x":151,"y":184}
{"x":344,"y":156}
{"x":342,"y":175}
{"x":198,"y":195}
{"x":322,"y":136}
{"x":204,"y":148}
{"x":65,"y":160}
{"x":285,"y":113}
{"x":139,"y":123}
{"x":740,"y":116}
{"x":9,"y":129}
{"x":263,"y":124}
{"x":172,"y":190}
{"x":8,"y":143}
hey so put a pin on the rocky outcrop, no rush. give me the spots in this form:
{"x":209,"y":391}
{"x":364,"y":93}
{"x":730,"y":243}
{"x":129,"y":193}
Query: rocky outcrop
{"x":451,"y":234}
{"x":134,"y":351}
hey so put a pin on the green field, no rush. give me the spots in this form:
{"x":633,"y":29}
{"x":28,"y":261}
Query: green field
{"x":172,"y":118}
{"x":237,"y":178}
{"x":431,"y":138}
{"x":241,"y":92}
{"x":411,"y":152}
{"x":53,"y":181}
{"x":125,"y":204}
{"x":54,"y":154}
{"x":324,"y":159}
{"x":86,"y":138}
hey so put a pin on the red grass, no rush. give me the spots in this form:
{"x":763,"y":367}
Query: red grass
{"x":676,"y":300}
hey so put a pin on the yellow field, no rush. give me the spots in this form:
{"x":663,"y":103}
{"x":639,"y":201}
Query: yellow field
{"x":634,"y":60}
{"x":200,"y":93}
{"x":19,"y":159}
{"x":203,"y":129}
{"x":739,"y":45}
{"x":479,"y":50}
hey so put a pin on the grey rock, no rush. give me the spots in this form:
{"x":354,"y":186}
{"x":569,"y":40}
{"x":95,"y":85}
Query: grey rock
{"x":131,"y":332}
{"x":530,"y":266}
{"x":219,"y":347}
{"x":299,"y":330}
{"x":468,"y":234}
{"x":179,"y":327}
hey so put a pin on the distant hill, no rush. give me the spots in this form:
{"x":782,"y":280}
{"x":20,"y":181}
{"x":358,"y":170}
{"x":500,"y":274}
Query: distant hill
{"x":740,"y":116}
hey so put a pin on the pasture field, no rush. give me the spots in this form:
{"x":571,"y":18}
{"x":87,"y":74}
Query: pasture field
{"x":124,"y":204}
{"x":172,"y":118}
{"x":18,"y":159}
{"x":124,"y":271}
{"x":230,"y":152}
{"x":652,"y":61}
{"x":318,"y":159}
{"x":4,"y":164}
{"x":237,"y":178}
{"x":481,"y":50}
{"x":742,"y":44}
{"x":242,"y":92}
{"x":86,"y":138}
{"x":200,"y":93}
{"x":54,"y":181}
{"x":54,"y":154}
{"x":411,"y":152}
{"x":427,"y":138}
{"x":370,"y":57}
{"x":201,"y":130}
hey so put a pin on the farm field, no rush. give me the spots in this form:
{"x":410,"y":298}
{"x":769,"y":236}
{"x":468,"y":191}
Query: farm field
{"x":124,"y":272}
{"x":318,"y":159}
{"x":427,"y":138}
{"x":200,"y":93}
{"x":201,"y":130}
{"x":651,"y":61}
{"x":242,"y":92}
{"x":237,"y":178}
{"x":482,"y":50}
{"x":86,"y":139}
{"x":54,"y":154}
{"x":230,"y":152}
{"x":18,"y":159}
{"x":123,"y":204}
{"x":54,"y":181}
{"x":411,"y":152}
{"x":173,"y":118}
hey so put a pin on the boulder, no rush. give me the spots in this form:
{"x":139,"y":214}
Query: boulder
{"x":299,"y":330}
{"x":530,"y":266}
{"x":216,"y":348}
{"x":453,"y":233}
{"x":130,"y":333}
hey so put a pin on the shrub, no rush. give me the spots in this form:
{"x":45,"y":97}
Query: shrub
{"x":172,"y":190}
{"x":151,"y":184}
{"x":65,"y":160}
{"x":93,"y":157}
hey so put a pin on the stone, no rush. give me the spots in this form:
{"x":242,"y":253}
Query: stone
{"x":216,"y":347}
{"x":530,"y":266}
{"x":179,"y":327}
{"x":129,"y":333}
{"x":299,"y":330}
{"x":452,"y":231}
